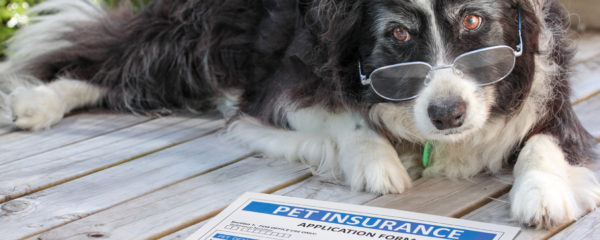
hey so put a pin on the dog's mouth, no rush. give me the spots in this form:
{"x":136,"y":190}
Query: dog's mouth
{"x":451,"y":135}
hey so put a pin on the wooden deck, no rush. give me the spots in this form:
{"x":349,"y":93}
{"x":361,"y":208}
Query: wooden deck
{"x":117,"y":176}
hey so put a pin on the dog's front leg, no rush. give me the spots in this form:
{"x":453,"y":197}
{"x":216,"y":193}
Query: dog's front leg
{"x":547,"y":190}
{"x":370,"y":162}
{"x":332,"y":144}
{"x":367,"y":160}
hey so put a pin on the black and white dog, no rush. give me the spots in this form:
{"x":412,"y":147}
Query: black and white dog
{"x":354,"y":88}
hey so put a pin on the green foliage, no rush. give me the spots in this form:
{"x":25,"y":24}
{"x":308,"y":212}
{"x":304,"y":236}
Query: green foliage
{"x":13,"y":15}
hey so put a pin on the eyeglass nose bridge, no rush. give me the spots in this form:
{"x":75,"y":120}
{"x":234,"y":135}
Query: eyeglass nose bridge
{"x":437,"y":68}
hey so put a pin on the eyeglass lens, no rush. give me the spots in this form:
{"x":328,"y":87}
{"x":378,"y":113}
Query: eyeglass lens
{"x":487,"y":66}
{"x":400,"y":82}
{"x":405,"y":81}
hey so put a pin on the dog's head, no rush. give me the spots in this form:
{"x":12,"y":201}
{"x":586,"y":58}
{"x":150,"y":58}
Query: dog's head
{"x":448,"y":105}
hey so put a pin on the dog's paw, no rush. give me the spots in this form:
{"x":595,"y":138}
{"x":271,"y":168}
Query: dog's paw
{"x":543,"y":200}
{"x":377,"y":169}
{"x":36,"y":108}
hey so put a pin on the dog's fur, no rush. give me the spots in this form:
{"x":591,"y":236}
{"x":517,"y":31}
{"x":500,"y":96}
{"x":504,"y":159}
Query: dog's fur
{"x":285,"y":72}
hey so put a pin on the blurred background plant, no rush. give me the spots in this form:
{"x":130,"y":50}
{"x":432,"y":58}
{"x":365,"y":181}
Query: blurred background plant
{"x":14,"y":16}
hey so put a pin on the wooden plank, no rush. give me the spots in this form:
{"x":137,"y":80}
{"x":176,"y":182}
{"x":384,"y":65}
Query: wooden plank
{"x":589,"y":114}
{"x":82,"y":197}
{"x":585,"y":66}
{"x":80,"y":127}
{"x":322,"y":189}
{"x":498,"y":211}
{"x":6,"y":129}
{"x":65,"y":164}
{"x":585,"y":228}
{"x":313,"y":188}
{"x":185,"y":203}
{"x":586,"y":47}
{"x":585,"y":80}
{"x":445,"y":197}
{"x":183,"y":233}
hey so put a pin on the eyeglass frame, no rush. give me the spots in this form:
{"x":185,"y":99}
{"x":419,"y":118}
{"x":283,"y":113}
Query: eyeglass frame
{"x":365,"y":80}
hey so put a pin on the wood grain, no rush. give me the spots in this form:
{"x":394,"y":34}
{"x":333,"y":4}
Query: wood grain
{"x":589,"y":114}
{"x":82,"y":197}
{"x":322,"y":189}
{"x":5,"y":129}
{"x":498,"y":211}
{"x":586,"y":47}
{"x":445,"y":197}
{"x":65,"y":164}
{"x":585,"y":80}
{"x":586,"y":228}
{"x":183,"y":233}
{"x":312,"y":188}
{"x":187,"y":202}
{"x":21,"y":144}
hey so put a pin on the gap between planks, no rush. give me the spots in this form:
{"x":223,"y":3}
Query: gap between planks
{"x":583,"y":60}
{"x":67,"y":179}
{"x":36,"y":137}
{"x":199,"y":220}
{"x":498,"y":212}
{"x":585,"y":98}
{"x":177,"y":205}
{"x":50,"y":208}
{"x":154,"y":191}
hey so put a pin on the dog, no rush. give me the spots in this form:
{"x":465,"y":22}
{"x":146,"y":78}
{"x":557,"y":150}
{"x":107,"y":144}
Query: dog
{"x":355,"y":89}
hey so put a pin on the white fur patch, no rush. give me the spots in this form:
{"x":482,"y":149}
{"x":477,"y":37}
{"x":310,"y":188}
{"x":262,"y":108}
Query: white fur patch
{"x":40,"y":107}
{"x":548,"y":191}
{"x":436,"y":42}
{"x":335,"y":145}
{"x":367,"y":160}
{"x":318,"y":152}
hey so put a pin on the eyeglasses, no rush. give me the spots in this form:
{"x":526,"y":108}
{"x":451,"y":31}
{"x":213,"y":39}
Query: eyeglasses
{"x":404,"y":81}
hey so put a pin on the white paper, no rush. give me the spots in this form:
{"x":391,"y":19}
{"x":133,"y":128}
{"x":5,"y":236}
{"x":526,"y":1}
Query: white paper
{"x":272,"y":217}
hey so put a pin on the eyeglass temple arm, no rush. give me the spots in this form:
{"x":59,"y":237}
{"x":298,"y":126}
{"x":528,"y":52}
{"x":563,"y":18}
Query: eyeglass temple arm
{"x":363,"y":78}
{"x":519,"y":51}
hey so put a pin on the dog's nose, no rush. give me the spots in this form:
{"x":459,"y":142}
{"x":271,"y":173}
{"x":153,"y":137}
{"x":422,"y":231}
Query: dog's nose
{"x":449,"y":114}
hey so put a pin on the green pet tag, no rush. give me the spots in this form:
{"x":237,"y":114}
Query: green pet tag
{"x":427,"y":153}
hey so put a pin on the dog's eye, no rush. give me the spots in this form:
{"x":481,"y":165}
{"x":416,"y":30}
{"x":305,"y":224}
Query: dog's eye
{"x":401,"y":34}
{"x":471,"y":22}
